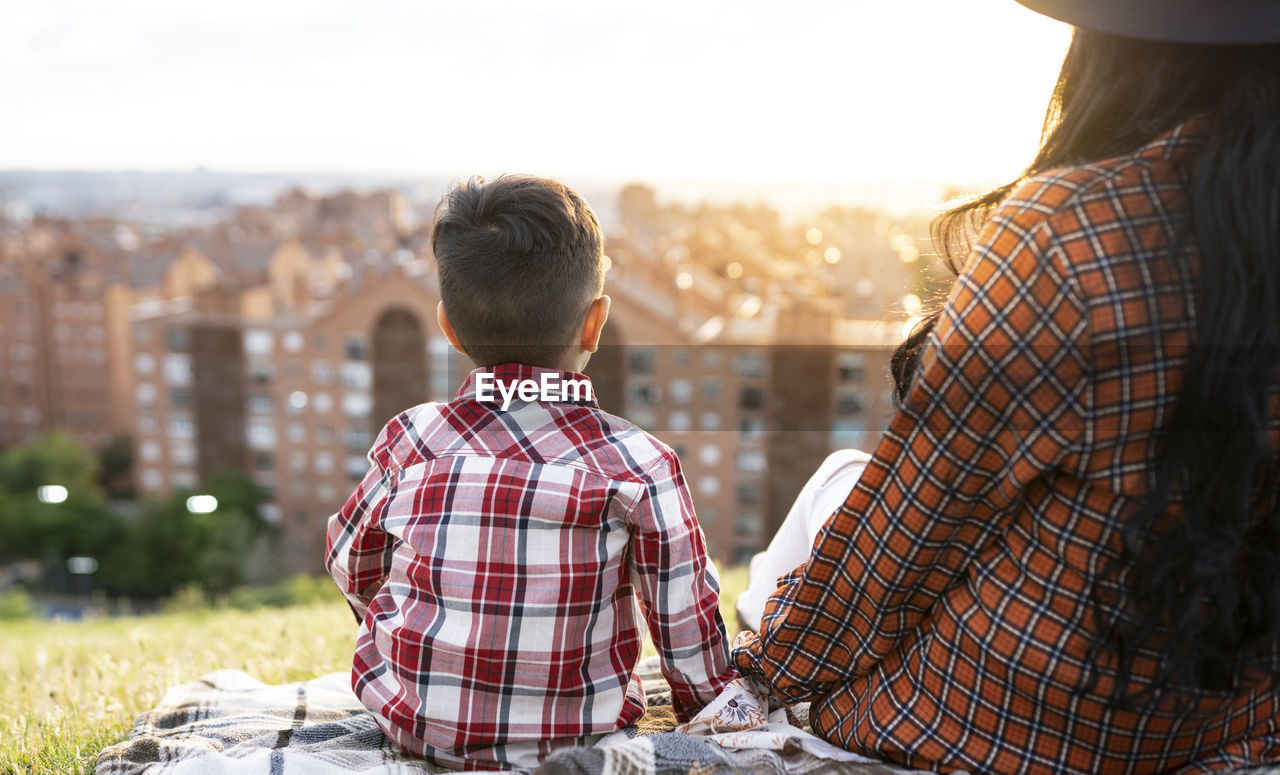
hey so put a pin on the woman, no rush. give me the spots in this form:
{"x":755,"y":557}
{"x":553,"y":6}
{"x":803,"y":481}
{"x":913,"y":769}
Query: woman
{"x":1064,"y":556}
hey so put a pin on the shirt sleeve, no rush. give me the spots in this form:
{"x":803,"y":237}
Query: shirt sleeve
{"x":998,"y":401}
{"x":358,"y":551}
{"x":679,"y":590}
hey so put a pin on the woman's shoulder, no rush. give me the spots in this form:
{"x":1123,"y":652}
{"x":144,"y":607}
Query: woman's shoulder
{"x":1104,"y":214}
{"x":1146,"y":182}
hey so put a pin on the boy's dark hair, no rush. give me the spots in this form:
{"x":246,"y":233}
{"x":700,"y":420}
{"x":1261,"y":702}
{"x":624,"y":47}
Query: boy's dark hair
{"x":520,"y":260}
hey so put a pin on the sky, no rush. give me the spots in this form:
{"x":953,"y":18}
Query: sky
{"x":791,"y":90}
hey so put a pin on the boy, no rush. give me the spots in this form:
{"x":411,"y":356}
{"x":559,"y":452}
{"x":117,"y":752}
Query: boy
{"x":494,"y":551}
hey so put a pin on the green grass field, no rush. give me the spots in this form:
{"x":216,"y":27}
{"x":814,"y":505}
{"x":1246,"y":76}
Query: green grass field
{"x":69,"y":689}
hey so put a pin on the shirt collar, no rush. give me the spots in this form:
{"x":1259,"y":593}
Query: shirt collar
{"x":1177,"y":143}
{"x":562,"y":386}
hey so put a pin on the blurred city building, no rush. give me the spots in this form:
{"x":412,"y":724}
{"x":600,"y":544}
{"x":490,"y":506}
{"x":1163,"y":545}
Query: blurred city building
{"x":277,"y":342}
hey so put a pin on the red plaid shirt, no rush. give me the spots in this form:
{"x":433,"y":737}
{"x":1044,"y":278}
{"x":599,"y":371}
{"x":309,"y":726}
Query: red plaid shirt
{"x":944,"y":617}
{"x":494,"y":559}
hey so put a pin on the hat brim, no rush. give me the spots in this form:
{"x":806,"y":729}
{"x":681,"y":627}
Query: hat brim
{"x":1181,"y":21}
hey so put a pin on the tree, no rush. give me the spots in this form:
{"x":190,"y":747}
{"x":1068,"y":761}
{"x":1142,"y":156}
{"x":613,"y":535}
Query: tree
{"x":170,"y":546}
{"x":34,"y":529}
{"x":115,"y":466}
{"x":145,"y":554}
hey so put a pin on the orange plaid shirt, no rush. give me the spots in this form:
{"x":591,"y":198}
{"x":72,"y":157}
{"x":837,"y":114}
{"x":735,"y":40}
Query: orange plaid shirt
{"x":944,"y":617}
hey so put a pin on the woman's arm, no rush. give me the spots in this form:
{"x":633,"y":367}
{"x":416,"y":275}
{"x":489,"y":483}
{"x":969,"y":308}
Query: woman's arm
{"x":998,"y":401}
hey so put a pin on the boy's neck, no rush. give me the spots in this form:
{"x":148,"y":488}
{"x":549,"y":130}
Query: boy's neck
{"x":570,"y":363}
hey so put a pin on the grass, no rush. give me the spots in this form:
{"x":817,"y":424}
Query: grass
{"x":69,"y":689}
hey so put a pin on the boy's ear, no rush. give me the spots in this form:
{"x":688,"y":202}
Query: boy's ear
{"x":593,"y":324}
{"x":447,"y":328}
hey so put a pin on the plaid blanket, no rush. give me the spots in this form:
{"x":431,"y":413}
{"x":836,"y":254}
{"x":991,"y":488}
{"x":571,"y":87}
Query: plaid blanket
{"x":229,"y":722}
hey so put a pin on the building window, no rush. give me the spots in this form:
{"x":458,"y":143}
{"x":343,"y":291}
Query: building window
{"x":849,"y":404}
{"x":712,"y":389}
{"x":358,"y":438}
{"x":847,"y":434}
{"x":748,"y":493}
{"x":264,"y":461}
{"x":144,"y":364}
{"x":708,"y":454}
{"x":321,"y":372}
{"x":681,"y":391}
{"x":708,"y":485}
{"x":357,"y":349}
{"x":261,"y":373}
{"x":258,"y":342}
{"x":181,"y":427}
{"x":177,"y":369}
{"x":357,"y":404}
{"x":261,"y":404}
{"x":643,"y":417}
{"x":146,"y":393}
{"x":260,"y":432}
{"x":642,"y":394}
{"x":749,"y":364}
{"x":751,"y":398}
{"x":183,"y":453}
{"x":680,"y":421}
{"x":640,"y":361}
{"x":176,"y":339}
{"x":851,"y":367}
{"x":357,"y":376}
{"x":751,"y":461}
{"x":297,"y":402}
{"x":751,"y":428}
{"x":357,"y":466}
{"x":324,"y":462}
{"x":322,"y":403}
{"x":180,"y":398}
{"x":292,"y":341}
{"x":709,"y":421}
{"x":152,"y":479}
{"x":747,"y":524}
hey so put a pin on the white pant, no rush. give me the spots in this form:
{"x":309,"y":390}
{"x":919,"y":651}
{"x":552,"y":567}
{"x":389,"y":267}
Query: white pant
{"x":793,"y":543}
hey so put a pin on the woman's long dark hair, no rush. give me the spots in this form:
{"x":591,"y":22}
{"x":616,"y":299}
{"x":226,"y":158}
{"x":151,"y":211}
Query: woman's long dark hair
{"x":1200,"y":563}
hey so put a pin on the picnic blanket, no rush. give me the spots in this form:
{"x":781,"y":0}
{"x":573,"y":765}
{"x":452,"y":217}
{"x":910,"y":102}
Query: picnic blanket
{"x":229,"y":722}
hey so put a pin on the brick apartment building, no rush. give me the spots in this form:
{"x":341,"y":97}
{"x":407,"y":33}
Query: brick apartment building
{"x":279,"y":344}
